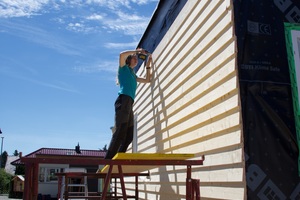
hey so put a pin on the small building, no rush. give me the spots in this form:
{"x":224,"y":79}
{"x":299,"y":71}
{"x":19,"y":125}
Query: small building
{"x":18,"y":183}
{"x":17,"y":186}
{"x":42,"y":165}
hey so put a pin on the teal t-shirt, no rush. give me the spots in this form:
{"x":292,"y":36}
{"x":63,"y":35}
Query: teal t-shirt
{"x":127,"y":81}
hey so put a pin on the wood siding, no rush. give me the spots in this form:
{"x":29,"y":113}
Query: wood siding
{"x":193,"y":105}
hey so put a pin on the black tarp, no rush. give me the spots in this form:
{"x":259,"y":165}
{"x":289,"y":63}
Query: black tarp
{"x":162,"y":19}
{"x":271,"y":147}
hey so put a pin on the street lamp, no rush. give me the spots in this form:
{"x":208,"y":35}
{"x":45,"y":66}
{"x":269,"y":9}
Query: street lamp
{"x":1,"y":149}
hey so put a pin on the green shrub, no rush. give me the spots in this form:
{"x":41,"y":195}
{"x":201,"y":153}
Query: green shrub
{"x":4,"y":181}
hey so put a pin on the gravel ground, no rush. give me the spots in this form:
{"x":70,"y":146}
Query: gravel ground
{"x":5,"y":197}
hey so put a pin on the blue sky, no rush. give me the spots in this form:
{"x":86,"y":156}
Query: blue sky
{"x":58,"y":62}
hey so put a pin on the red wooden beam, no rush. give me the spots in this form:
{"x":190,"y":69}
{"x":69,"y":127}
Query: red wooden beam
{"x":98,"y":175}
{"x":111,"y":162}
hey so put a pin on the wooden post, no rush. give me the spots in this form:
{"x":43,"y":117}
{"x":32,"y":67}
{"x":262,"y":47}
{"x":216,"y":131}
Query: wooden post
{"x":122,"y":182}
{"x":27,"y":182}
{"x":59,"y":187}
{"x":189,"y":183}
{"x":35,"y":182}
{"x":106,"y":183}
{"x":136,"y":187}
{"x":66,"y":187}
{"x":196,"y":188}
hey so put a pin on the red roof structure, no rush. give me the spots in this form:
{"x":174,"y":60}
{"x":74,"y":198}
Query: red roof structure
{"x":62,"y":152}
{"x":75,"y":157}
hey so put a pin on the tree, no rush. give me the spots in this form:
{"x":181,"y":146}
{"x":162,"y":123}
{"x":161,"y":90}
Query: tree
{"x":20,"y":170}
{"x":16,"y":153}
{"x":3,"y":159}
{"x":4,"y":181}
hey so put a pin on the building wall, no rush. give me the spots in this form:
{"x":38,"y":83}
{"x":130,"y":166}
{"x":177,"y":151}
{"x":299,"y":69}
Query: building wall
{"x":193,"y":105}
{"x":46,"y":187}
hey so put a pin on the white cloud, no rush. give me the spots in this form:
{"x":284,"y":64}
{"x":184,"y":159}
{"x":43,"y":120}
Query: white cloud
{"x":103,"y":66}
{"x":128,"y":24}
{"x":95,"y":17}
{"x":129,"y":17}
{"x":129,"y":45}
{"x":41,"y":36}
{"x":20,"y":8}
{"x":80,"y":27}
{"x":25,"y":8}
{"x":141,"y":2}
{"x":127,"y":27}
{"x":119,"y":15}
{"x":111,"y":4}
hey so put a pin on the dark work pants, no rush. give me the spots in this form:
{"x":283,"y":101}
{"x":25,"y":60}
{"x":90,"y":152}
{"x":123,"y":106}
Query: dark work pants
{"x":123,"y":134}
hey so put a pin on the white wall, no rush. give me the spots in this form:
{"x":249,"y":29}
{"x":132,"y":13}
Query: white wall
{"x":51,"y":188}
{"x":193,"y":105}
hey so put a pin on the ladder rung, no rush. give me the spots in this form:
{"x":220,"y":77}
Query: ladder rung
{"x":77,"y":185}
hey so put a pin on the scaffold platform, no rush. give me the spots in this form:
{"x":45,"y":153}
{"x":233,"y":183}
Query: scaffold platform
{"x":133,"y":165}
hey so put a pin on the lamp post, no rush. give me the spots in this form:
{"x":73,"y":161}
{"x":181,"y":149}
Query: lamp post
{"x":1,"y":149}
